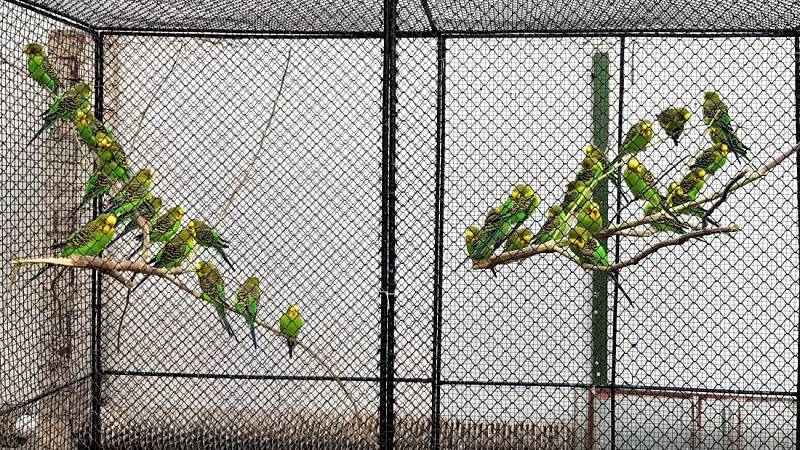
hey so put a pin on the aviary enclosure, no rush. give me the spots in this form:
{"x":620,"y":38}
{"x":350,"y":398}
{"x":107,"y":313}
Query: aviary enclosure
{"x":503,"y":224}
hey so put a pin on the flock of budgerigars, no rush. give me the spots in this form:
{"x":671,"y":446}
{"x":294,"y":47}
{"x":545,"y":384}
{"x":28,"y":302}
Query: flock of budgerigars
{"x":575,"y":221}
{"x":131,"y":199}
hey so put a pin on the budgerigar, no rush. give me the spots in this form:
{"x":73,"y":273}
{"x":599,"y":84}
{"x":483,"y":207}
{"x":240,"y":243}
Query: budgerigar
{"x":164,"y":227}
{"x":65,"y":106}
{"x":555,"y":228}
{"x":39,"y":67}
{"x":208,"y":237}
{"x":177,"y":249}
{"x":132,"y":194}
{"x":148,"y":209}
{"x":641,"y":182}
{"x":636,"y":139}
{"x":673,"y":121}
{"x":470,"y":236}
{"x":89,"y":240}
{"x":670,"y":224}
{"x":518,"y":240}
{"x":711,"y":159}
{"x":578,"y":193}
{"x":111,"y":157}
{"x":715,"y":115}
{"x":677,"y":196}
{"x":290,"y":325}
{"x":587,"y":248}
{"x":590,"y":218}
{"x":97,"y":185}
{"x":693,"y":182}
{"x":213,"y":287}
{"x":503,"y":220}
{"x":591,"y":169}
{"x":246,"y":303}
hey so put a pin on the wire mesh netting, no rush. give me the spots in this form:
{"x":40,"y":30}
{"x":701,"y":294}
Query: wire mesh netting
{"x":280,"y":139}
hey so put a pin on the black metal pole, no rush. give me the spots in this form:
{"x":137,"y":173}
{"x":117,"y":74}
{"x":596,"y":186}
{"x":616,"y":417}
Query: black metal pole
{"x":620,"y":122}
{"x":388,"y":187}
{"x":797,"y":166}
{"x":438,"y":246}
{"x":96,"y":372}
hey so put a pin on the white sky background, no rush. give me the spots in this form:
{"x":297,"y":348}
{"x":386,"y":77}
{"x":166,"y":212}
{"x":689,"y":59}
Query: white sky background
{"x":309,"y":221}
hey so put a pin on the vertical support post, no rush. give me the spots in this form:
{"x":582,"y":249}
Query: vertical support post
{"x":63,"y":301}
{"x":600,"y":125}
{"x":797,"y":166}
{"x":96,"y":435}
{"x":438,"y":247}
{"x":388,"y":188}
{"x":620,"y":123}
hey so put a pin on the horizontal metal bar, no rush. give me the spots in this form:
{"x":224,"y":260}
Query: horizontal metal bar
{"x":259,"y":34}
{"x":706,"y":390}
{"x":255,"y":377}
{"x":606,"y":393}
{"x":677,"y":33}
{"x":47,"y":393}
{"x":51,"y":13}
{"x":516,"y":384}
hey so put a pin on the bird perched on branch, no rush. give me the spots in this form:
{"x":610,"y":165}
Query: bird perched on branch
{"x":518,"y":240}
{"x":111,"y":158}
{"x":587,"y":248}
{"x":98,"y":185}
{"x":290,"y":325}
{"x":131,"y":194}
{"x":711,"y":159}
{"x":164,"y":227}
{"x":555,"y":228}
{"x":39,"y":67}
{"x":64,"y":107}
{"x":213,"y":286}
{"x":671,"y":224}
{"x":715,"y":115}
{"x":673,"y":121}
{"x":636,"y":140}
{"x":590,"y":217}
{"x":578,"y":193}
{"x":245,"y":302}
{"x":641,"y":182}
{"x":148,"y":209}
{"x":208,"y":237}
{"x":177,"y":249}
{"x":502,"y":220}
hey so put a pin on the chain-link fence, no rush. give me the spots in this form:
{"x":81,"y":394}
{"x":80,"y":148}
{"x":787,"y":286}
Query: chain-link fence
{"x":343,"y":161}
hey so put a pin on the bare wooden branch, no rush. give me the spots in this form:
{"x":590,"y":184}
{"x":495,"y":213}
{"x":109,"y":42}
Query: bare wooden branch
{"x":681,"y":239}
{"x":248,"y":171}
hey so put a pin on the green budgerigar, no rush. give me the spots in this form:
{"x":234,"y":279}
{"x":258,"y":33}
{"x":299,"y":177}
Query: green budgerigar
{"x":92,"y":238}
{"x":177,"y":249}
{"x":578,"y":193}
{"x":131,"y":194}
{"x":715,"y":115}
{"x":677,"y":195}
{"x":111,"y":158}
{"x":39,"y":67}
{"x":641,"y":182}
{"x":587,"y":248}
{"x":208,"y":237}
{"x":470,"y":236}
{"x":213,"y":287}
{"x":636,"y":140}
{"x":519,"y":239}
{"x":148,"y":209}
{"x":290,"y":325}
{"x":246,"y":303}
{"x":555,"y":228}
{"x":670,"y":224}
{"x":502,"y":220}
{"x":98,"y":185}
{"x":65,"y":106}
{"x":591,"y":169}
{"x":673,"y":121}
{"x":711,"y":159}
{"x":590,"y":217}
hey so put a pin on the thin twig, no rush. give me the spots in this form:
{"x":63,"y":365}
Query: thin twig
{"x":116,"y":266}
{"x":723,"y":197}
{"x":145,"y":238}
{"x":248,"y":171}
{"x":666,"y":243}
